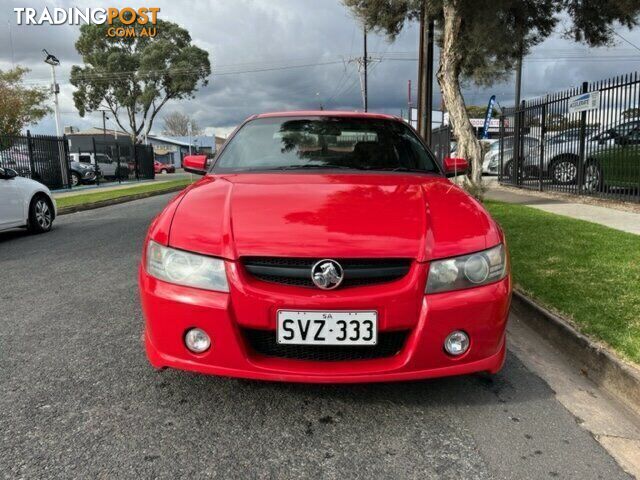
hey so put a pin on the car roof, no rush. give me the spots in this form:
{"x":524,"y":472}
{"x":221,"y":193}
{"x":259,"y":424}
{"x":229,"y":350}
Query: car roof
{"x":326,"y":113}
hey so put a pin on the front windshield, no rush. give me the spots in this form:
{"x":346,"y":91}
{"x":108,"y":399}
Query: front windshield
{"x":292,"y":143}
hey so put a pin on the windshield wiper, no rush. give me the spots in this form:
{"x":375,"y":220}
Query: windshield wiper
{"x":314,"y":165}
{"x":397,"y":169}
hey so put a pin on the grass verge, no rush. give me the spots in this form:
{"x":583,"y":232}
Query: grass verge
{"x":586,"y":272}
{"x":97,"y":196}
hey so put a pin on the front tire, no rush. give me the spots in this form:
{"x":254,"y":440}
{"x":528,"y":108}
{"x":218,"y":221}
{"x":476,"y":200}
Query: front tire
{"x":75,"y":179}
{"x":564,"y":171}
{"x":508,"y":171}
{"x":593,"y":181}
{"x":40,"y":214}
{"x":164,"y":171}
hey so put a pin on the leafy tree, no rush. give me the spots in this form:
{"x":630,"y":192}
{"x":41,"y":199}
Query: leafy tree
{"x":481,"y":40}
{"x":176,"y":124}
{"x":479,"y":111}
{"x":20,"y":105}
{"x":136,"y":76}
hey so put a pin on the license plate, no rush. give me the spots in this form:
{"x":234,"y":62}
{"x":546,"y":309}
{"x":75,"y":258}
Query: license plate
{"x":327,"y":328}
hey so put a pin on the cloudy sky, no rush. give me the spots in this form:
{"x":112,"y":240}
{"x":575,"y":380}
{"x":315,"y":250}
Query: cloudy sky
{"x":305,"y":45}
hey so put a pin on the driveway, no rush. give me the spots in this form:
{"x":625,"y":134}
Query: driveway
{"x":79,"y":399}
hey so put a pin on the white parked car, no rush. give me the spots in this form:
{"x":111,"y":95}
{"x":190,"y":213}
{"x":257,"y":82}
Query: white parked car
{"x":25,"y":203}
{"x":107,"y":166}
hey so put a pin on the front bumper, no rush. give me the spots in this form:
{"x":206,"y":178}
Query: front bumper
{"x":170,"y":310}
{"x":88,"y":176}
{"x":490,"y":168}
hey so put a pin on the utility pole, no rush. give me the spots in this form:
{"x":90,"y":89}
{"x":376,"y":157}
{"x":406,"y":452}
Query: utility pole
{"x":428,"y":81}
{"x":362,"y":64}
{"x":425,"y":75}
{"x":104,"y":125}
{"x":189,"y":131}
{"x":519,"y":116}
{"x":519,"y":75}
{"x":364,"y":61}
{"x":421,"y":72}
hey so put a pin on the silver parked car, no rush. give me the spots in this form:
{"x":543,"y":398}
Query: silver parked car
{"x":562,"y":151}
{"x":491,"y":160}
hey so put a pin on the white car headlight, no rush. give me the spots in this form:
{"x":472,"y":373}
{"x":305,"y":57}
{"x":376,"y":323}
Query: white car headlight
{"x":467,"y":271}
{"x":184,"y":268}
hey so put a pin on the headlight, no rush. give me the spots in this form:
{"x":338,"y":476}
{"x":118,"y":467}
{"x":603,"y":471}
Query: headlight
{"x":183,"y":268}
{"x":468,"y":270}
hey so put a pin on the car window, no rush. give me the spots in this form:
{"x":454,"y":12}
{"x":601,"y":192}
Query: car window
{"x":634,"y":136}
{"x":625,"y":128}
{"x":324,"y":142}
{"x":85,"y":159}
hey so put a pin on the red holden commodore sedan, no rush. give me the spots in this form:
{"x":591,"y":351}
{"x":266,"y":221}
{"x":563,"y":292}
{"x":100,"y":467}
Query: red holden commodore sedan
{"x":325,"y":247}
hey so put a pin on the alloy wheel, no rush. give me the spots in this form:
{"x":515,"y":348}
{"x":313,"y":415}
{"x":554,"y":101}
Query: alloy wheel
{"x":565,"y":171}
{"x":592,"y":178}
{"x":43,"y":214}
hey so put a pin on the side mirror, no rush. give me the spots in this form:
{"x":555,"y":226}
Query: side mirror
{"x":455,"y":166}
{"x":197,"y":164}
{"x":621,"y":141}
{"x":7,"y":173}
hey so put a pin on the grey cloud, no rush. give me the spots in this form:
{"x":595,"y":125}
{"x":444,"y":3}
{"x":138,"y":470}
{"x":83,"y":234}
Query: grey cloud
{"x":286,"y":32}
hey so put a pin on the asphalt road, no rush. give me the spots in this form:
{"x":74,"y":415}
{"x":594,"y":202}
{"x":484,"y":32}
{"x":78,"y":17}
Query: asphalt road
{"x":79,"y":400}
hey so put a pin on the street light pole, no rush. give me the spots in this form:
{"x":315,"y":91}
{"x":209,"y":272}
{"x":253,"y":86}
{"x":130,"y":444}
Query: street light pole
{"x":54,"y":62}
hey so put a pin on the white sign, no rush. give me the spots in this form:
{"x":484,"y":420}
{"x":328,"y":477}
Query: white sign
{"x":494,"y":124}
{"x":584,"y":102}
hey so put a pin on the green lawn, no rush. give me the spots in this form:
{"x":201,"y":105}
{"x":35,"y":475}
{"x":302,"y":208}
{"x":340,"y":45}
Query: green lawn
{"x":583,"y":271}
{"x":96,"y":196}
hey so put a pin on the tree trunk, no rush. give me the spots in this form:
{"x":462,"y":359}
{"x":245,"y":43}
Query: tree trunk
{"x":449,"y":81}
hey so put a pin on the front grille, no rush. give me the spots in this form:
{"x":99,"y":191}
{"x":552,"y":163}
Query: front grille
{"x":297,"y":271}
{"x":264,"y":342}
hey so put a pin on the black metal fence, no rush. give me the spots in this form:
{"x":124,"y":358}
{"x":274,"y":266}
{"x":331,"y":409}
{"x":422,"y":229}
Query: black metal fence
{"x":116,"y":160}
{"x":40,"y":157}
{"x":441,"y":142}
{"x":49,"y":160}
{"x":584,"y":141}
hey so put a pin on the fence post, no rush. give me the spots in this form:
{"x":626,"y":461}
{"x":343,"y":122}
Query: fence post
{"x":95,"y":159}
{"x":543,"y":131}
{"x":515,"y":149}
{"x":32,"y":164}
{"x":136,"y":160}
{"x":583,"y":132}
{"x":502,"y":136}
{"x":520,"y":155}
{"x":118,"y":163}
{"x":65,"y":161}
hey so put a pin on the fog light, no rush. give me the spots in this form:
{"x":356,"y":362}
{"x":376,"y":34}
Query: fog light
{"x":456,"y":343}
{"x":197,"y":340}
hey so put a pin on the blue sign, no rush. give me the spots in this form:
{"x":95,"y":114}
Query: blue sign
{"x":487,"y":117}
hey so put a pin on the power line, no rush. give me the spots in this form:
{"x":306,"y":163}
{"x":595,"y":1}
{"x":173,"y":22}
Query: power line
{"x":629,"y":42}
